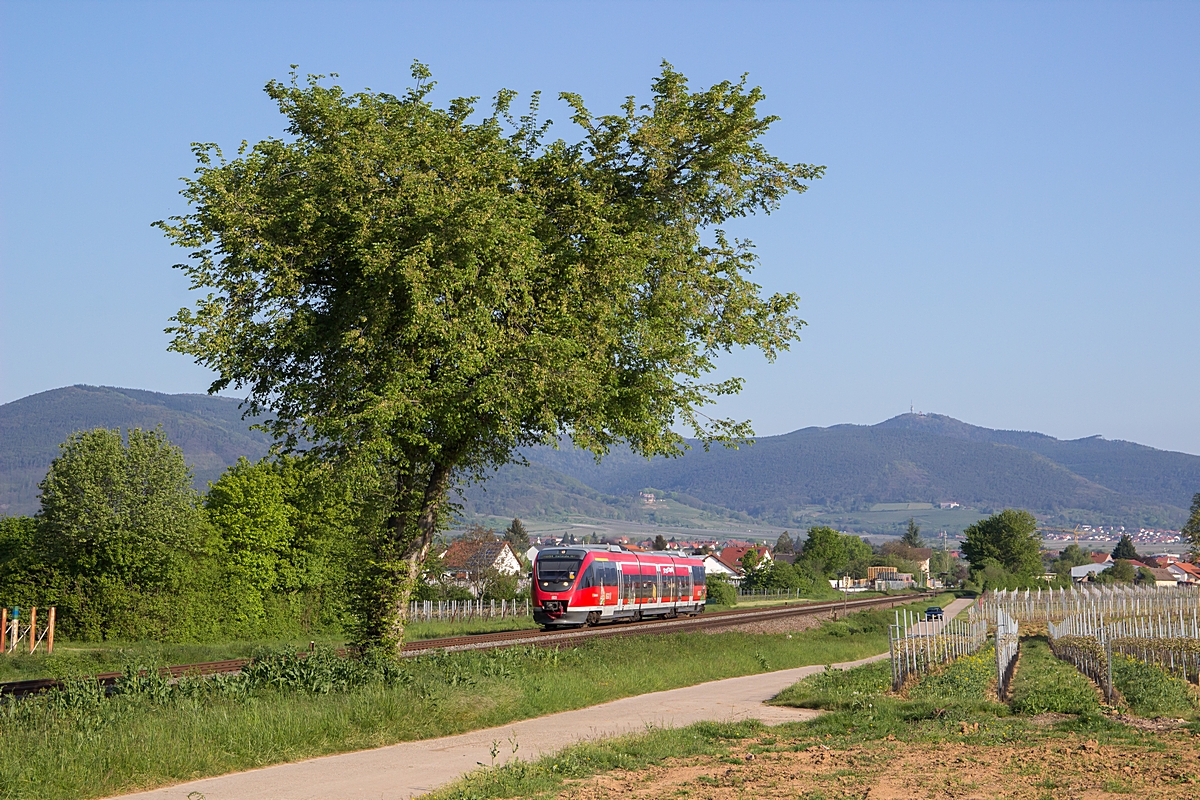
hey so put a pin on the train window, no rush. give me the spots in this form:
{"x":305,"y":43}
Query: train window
{"x":698,"y":576}
{"x":590,"y":578}
{"x":557,"y":574}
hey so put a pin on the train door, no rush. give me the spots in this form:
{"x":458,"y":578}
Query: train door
{"x":629,"y":583}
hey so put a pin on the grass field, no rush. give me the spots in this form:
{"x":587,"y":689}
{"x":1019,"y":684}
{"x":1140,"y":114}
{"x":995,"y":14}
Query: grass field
{"x":74,"y":744}
{"x":89,"y":658}
{"x":945,"y":736}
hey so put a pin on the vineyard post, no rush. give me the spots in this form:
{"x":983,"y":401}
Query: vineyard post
{"x":1109,"y":687}
{"x":4,"y":630}
{"x":32,"y":629}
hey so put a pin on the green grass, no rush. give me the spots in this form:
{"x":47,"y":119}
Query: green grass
{"x":89,"y":658}
{"x":967,"y":678}
{"x":75,"y":745}
{"x":1044,"y":683}
{"x":1150,"y":692}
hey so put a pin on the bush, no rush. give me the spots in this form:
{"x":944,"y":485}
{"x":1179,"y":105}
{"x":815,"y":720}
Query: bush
{"x":720,"y":592}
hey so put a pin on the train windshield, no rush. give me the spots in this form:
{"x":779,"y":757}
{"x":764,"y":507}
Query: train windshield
{"x":557,"y":573}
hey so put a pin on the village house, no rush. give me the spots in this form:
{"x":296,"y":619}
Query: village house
{"x":469,"y":564}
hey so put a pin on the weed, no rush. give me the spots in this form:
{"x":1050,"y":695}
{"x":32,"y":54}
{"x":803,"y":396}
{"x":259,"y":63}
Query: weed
{"x":1043,"y":683}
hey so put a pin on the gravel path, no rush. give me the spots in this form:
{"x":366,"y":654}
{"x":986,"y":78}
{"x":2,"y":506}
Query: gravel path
{"x":401,"y":771}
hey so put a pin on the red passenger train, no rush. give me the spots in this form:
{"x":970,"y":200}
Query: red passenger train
{"x":589,"y":585}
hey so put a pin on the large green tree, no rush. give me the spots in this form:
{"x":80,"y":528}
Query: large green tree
{"x":836,"y":554}
{"x":418,"y":292}
{"x":1009,"y":538}
{"x":119,"y":508}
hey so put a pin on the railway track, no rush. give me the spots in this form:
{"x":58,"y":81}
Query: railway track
{"x":532,"y":637}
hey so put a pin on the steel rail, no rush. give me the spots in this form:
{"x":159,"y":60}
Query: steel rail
{"x":530,"y":637}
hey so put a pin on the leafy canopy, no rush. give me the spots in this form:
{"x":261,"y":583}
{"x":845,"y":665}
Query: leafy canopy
{"x":835,"y":553}
{"x":399,"y":280}
{"x":417,"y":292}
{"x":119,"y":507}
{"x":1008,"y":538}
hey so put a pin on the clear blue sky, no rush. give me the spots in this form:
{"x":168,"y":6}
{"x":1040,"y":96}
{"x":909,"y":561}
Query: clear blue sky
{"x":1008,"y":232}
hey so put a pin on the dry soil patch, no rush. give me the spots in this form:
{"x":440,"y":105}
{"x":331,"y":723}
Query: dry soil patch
{"x":894,"y":770}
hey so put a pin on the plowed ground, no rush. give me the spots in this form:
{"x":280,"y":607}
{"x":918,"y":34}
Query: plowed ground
{"x":1167,"y":765}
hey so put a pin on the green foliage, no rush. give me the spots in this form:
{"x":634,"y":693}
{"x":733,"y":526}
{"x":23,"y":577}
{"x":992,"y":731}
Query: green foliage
{"x":719,"y":592}
{"x":125,"y":552}
{"x":1043,"y":683}
{"x":1120,"y":572}
{"x":967,"y":677}
{"x":1125,"y":549}
{"x":33,"y":428}
{"x":784,"y":544}
{"x":475,"y":289}
{"x":836,"y":554}
{"x":516,"y":535}
{"x":1008,"y":538}
{"x":1149,"y":690}
{"x":124,"y":511}
{"x":912,"y":534}
{"x":660,"y":542}
{"x":1071,"y":556}
{"x":1191,"y":529}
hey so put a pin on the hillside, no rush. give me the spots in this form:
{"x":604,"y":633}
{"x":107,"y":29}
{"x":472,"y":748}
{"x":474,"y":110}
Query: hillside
{"x":209,"y":429}
{"x":789,"y":480}
{"x":1158,"y":476}
{"x":851,"y":467}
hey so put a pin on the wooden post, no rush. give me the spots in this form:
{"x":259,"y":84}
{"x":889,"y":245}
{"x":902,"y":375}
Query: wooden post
{"x":32,"y":629}
{"x":50,"y":633}
{"x":4,"y":630}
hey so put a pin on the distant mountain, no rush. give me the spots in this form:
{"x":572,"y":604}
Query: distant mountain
{"x":209,"y":429}
{"x":913,"y":457}
{"x":778,"y":480}
{"x":1158,"y":476}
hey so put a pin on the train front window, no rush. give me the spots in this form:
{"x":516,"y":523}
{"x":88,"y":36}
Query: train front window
{"x":557,"y":574}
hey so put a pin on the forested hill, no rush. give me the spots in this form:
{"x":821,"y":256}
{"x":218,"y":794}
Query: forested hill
{"x":1158,"y":476}
{"x":913,"y":458}
{"x":910,"y":458}
{"x":209,"y":429}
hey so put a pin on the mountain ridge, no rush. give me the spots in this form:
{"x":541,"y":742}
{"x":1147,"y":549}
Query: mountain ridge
{"x":777,"y":480}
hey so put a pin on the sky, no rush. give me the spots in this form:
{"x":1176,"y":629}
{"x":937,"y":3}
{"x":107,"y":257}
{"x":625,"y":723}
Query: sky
{"x":1008,"y":231}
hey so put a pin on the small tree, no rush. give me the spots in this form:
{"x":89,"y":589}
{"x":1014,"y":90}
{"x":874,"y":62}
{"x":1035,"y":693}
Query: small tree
{"x":660,"y":542}
{"x":1191,"y":529}
{"x":1125,"y":549}
{"x":1121,"y":572}
{"x":912,"y":534}
{"x":1008,"y":538}
{"x":784,"y":544}
{"x":516,"y":535}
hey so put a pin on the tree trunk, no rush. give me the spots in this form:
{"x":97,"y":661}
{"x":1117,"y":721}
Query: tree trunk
{"x":405,"y":546}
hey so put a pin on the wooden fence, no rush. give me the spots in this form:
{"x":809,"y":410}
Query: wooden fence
{"x":16,"y":629}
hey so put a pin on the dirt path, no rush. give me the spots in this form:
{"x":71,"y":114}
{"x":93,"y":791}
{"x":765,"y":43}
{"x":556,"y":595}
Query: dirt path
{"x":409,"y":769}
